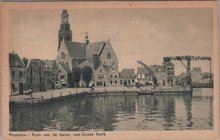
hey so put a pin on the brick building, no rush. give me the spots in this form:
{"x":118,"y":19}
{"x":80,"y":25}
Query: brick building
{"x":35,"y":78}
{"x":17,"y":74}
{"x":127,"y":77}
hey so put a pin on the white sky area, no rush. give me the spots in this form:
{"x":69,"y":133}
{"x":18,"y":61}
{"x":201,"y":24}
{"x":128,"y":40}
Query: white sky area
{"x":135,"y":34}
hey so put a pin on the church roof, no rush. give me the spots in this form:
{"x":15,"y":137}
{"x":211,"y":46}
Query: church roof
{"x":95,"y":48}
{"x":15,"y":61}
{"x":76,"y":50}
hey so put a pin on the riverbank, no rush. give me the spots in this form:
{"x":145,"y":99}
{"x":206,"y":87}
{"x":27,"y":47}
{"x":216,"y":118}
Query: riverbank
{"x":60,"y":95}
{"x":57,"y":94}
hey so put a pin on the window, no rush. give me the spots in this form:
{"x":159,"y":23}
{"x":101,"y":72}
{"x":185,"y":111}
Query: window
{"x":20,"y":74}
{"x":129,"y":81}
{"x":121,"y":82}
{"x":108,"y":55}
{"x":132,"y":81}
{"x":13,"y":74}
{"x":13,"y":87}
{"x":116,"y":76}
{"x":62,"y":56}
{"x":111,"y":82}
{"x":62,"y":76}
{"x":116,"y":82}
{"x":99,"y":83}
{"x":31,"y":70}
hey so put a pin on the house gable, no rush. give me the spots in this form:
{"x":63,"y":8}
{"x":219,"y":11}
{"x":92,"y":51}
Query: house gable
{"x":63,"y":55}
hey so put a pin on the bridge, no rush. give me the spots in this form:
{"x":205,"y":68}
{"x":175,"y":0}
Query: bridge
{"x":202,"y":85}
{"x":188,"y":59}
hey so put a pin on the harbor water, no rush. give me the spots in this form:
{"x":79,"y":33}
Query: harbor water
{"x":119,"y":113}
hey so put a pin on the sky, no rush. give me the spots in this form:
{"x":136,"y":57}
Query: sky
{"x":135,"y":34}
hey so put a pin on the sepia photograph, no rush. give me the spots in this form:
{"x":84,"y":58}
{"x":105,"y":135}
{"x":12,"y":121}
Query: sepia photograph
{"x":132,"y":68}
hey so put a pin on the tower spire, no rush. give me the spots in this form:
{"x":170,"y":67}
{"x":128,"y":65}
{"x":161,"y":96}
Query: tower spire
{"x":65,"y":32}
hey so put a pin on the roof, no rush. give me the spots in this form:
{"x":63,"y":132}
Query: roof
{"x":127,"y":73}
{"x":155,"y":67}
{"x":65,"y":67}
{"x":34,"y":61}
{"x":15,"y":61}
{"x":76,"y":50}
{"x":142,"y":70}
{"x":49,"y":63}
{"x":94,"y":48}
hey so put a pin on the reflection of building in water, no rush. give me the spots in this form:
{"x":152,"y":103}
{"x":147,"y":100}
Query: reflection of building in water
{"x":168,"y":111}
{"x":157,"y":112}
{"x":187,"y":99}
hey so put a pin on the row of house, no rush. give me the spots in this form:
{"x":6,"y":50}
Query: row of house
{"x":41,"y":75}
{"x":32,"y":74}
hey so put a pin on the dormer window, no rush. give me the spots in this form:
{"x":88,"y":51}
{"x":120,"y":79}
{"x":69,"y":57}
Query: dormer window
{"x":62,"y":56}
{"x":16,"y":64}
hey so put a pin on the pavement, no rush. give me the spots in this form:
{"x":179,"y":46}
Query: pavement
{"x":66,"y":91}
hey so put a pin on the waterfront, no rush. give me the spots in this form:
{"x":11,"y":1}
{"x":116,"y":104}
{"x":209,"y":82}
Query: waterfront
{"x":124,"y":112}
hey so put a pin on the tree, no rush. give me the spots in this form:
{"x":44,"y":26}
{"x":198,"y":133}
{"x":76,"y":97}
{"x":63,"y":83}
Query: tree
{"x":77,"y":76}
{"x":71,"y":80}
{"x":87,"y":75}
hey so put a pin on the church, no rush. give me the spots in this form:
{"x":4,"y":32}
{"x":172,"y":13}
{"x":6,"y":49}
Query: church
{"x":100,"y":56}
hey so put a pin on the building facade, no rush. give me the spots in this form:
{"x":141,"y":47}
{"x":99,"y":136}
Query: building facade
{"x":127,"y":77}
{"x":35,"y":75}
{"x":17,"y":73}
{"x":196,"y":74}
{"x":51,"y":73}
{"x":169,"y":69}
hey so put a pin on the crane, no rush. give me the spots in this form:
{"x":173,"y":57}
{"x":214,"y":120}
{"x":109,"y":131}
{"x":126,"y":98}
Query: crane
{"x":154,"y":79}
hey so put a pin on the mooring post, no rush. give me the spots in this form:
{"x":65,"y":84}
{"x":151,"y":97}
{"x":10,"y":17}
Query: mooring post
{"x":42,"y":98}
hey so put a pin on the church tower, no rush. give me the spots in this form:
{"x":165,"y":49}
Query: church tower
{"x":64,"y":32}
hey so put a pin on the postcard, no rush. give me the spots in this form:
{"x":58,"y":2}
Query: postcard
{"x":109,"y":70}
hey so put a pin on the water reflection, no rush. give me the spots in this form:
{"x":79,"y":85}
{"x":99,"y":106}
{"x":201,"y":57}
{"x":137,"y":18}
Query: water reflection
{"x":159,"y":112}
